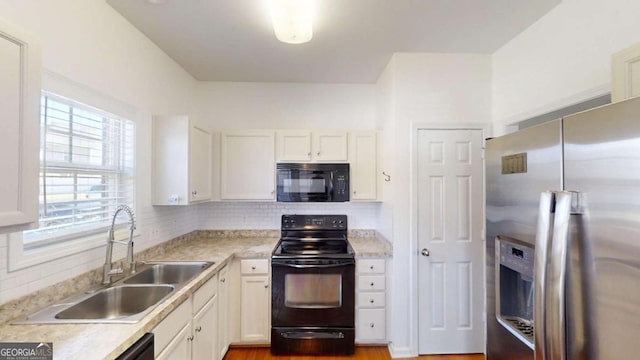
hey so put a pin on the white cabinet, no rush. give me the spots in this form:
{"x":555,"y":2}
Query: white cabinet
{"x":625,"y":65}
{"x":314,"y":146}
{"x":224,"y":330}
{"x":20,"y":70}
{"x":363,"y":169}
{"x":191,"y":331}
{"x":182,"y":161}
{"x":255,"y":316}
{"x":248,"y":165}
{"x":371,"y":301}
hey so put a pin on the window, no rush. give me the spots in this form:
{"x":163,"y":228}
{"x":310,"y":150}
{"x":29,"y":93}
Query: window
{"x":86,"y":170}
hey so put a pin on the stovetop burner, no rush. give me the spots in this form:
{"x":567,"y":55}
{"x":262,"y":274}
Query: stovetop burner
{"x":313,"y":236}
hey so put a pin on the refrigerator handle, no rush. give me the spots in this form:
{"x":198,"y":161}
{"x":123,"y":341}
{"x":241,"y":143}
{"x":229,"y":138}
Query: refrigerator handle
{"x":556,"y":295}
{"x":541,"y":254}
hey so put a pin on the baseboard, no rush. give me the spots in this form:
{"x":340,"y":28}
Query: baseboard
{"x":401,"y":352}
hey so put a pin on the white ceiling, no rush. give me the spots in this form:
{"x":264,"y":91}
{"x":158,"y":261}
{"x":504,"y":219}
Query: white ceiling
{"x":232,"y":40}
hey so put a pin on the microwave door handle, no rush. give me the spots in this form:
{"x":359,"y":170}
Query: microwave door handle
{"x":330,"y":187}
{"x":543,"y":239}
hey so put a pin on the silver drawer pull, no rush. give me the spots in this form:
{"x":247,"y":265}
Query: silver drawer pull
{"x":372,"y":283}
{"x":371,"y":267}
{"x":371,"y":301}
{"x":253,"y":268}
{"x":372,"y":325}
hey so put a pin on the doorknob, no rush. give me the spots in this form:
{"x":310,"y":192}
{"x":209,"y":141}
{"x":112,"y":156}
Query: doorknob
{"x":425,"y":252}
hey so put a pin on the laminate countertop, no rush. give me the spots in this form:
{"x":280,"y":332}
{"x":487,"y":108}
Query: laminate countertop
{"x":107,"y":341}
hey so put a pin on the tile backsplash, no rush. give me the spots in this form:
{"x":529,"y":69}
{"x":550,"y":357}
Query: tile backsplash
{"x":159,"y":224}
{"x":266,"y":215}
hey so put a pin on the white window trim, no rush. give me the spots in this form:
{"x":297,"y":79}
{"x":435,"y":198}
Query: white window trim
{"x":17,"y":257}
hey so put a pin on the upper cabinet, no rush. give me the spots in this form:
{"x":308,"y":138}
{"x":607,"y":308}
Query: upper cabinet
{"x":626,"y":74}
{"x":312,"y":146}
{"x":248,"y":165}
{"x":182,"y":164}
{"x":364,"y":157}
{"x":20,"y":71}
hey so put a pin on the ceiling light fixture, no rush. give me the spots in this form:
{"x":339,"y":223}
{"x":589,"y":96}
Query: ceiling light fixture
{"x":292,"y":20}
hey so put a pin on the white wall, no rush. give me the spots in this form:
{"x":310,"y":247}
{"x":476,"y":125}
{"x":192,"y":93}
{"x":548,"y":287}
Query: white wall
{"x":228,"y":105}
{"x":424,"y":89}
{"x":561,"y":59}
{"x":90,"y":46}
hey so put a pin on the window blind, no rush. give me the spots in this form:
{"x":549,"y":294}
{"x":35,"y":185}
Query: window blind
{"x":86,"y":169}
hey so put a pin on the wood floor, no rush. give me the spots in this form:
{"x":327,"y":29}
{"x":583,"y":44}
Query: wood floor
{"x":362,"y":353}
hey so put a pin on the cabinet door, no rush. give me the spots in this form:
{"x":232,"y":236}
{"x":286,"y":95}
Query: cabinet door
{"x":254,"y":312}
{"x":200,"y":162}
{"x":363,"y":170}
{"x":223,"y":312}
{"x":294,"y":145}
{"x":205,"y":331}
{"x":248,"y":165}
{"x":179,"y":347}
{"x":626,"y":74}
{"x":19,"y":138}
{"x":330,"y":146}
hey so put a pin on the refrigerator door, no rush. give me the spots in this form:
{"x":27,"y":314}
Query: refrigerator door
{"x":519,"y":167}
{"x":602,"y":162}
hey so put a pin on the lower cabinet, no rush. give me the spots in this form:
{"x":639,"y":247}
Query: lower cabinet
{"x":190,"y":331}
{"x":255,"y":307}
{"x":371,"y":311}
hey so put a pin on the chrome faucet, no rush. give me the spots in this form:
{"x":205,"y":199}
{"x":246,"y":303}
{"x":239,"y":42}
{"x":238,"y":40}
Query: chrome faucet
{"x":108,"y":270}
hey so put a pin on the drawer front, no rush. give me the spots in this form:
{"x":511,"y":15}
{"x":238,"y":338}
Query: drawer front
{"x":370,"y":266}
{"x":254,"y":266}
{"x":170,"y":326}
{"x":371,"y":325}
{"x":371,"y":299}
{"x":371,"y":282}
{"x":205,"y":293}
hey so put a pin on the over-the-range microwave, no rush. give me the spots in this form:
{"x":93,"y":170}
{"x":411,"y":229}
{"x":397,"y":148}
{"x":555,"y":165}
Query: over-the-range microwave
{"x":312,"y":182}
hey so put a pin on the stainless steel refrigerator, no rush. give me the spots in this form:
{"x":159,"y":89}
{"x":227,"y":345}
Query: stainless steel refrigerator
{"x":563,"y":238}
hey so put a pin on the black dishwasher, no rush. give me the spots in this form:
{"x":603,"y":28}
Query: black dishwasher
{"x":141,"y":350}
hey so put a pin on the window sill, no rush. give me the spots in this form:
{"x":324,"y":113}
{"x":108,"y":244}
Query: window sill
{"x":19,"y":258}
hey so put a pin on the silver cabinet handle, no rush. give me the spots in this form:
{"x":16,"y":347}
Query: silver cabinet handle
{"x":425,"y":252}
{"x":194,"y":192}
{"x":318,"y":153}
{"x":372,"y":283}
{"x":371,"y":267}
{"x":199,"y":328}
{"x":266,"y":286}
{"x":223,"y":280}
{"x":371,"y":301}
{"x":309,"y":154}
{"x":372,"y":325}
{"x":253,"y":268}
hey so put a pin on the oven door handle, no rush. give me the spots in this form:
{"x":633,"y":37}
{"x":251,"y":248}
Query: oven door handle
{"x":308,"y":266}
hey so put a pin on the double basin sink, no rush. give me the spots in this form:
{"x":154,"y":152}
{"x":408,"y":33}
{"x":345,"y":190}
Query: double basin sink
{"x":125,"y":301}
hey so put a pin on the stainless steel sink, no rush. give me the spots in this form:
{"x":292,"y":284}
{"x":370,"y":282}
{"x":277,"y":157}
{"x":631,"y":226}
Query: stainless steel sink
{"x":167,"y":273}
{"x":125,"y":301}
{"x":117,"y":302}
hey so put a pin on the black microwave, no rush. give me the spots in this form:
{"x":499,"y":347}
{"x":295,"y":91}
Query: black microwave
{"x":310,"y":182}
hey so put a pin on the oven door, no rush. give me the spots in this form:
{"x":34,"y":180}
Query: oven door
{"x":313,"y":292}
{"x":304,"y":185}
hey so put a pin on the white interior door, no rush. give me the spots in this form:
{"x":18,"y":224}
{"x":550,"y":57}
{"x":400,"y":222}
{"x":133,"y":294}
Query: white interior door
{"x":450,"y":218}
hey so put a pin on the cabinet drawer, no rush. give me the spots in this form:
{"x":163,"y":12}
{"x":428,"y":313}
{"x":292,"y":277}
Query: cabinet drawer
{"x":370,"y":266}
{"x":371,"y":299}
{"x":254,"y":266}
{"x":371,"y":325}
{"x":205,"y":293}
{"x":171,"y":326}
{"x":371,"y":282}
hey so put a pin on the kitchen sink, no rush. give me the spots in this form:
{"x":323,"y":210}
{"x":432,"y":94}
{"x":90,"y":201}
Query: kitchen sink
{"x":117,"y":302}
{"x":125,"y":301}
{"x":167,"y":273}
